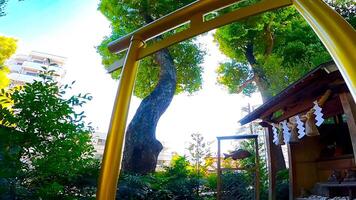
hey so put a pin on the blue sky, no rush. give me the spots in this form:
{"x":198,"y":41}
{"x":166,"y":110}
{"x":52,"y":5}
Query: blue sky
{"x":72,"y":28}
{"x":28,"y":19}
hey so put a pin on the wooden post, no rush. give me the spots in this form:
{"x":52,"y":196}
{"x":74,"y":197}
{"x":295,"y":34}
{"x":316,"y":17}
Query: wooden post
{"x":219,"y":174}
{"x":348,"y":104}
{"x":271,"y":158}
{"x":257,"y":175}
{"x":292,"y":183}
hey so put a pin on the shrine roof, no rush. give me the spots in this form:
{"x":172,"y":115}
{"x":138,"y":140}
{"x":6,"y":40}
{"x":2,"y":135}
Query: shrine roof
{"x":302,"y":92}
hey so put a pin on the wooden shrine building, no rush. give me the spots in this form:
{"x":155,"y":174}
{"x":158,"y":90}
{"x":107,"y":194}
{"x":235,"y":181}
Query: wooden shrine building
{"x":322,"y":164}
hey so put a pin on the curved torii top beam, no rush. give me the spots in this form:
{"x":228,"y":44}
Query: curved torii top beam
{"x":192,"y":14}
{"x":168,"y":22}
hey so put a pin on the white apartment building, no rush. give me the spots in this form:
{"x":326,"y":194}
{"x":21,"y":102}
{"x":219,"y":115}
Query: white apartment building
{"x":164,"y":157}
{"x":26,"y":68}
{"x":98,"y":141}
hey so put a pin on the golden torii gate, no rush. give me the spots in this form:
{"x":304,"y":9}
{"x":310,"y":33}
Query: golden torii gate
{"x":335,"y":33}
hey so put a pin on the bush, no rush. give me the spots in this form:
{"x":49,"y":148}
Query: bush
{"x":45,"y":147}
{"x":178,"y":181}
{"x":282,"y":186}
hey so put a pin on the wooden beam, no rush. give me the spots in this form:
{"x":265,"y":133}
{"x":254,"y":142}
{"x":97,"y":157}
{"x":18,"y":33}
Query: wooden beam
{"x":272,"y":169}
{"x":349,"y":106}
{"x":331,"y":108}
{"x":236,"y":137}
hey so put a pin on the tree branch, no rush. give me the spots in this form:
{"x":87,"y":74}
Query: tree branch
{"x":245,"y":84}
{"x":270,"y":40}
{"x":249,"y":54}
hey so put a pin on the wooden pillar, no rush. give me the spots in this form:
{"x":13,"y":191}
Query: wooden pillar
{"x":292,"y":183}
{"x":219,"y":173}
{"x":257,"y":171}
{"x":349,"y":106}
{"x":271,"y":160}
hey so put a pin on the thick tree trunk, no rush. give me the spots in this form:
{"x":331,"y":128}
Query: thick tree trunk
{"x":141,"y":146}
{"x":262,"y":86}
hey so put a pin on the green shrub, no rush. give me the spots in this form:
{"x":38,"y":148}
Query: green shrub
{"x":45,"y":147}
{"x":282,"y":186}
{"x":178,"y":181}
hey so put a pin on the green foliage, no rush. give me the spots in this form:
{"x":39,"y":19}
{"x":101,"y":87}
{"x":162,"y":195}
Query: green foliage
{"x":46,"y":147}
{"x":282,"y":178}
{"x":236,"y":186}
{"x":2,"y":7}
{"x":7,"y":49}
{"x":233,"y":75}
{"x":346,"y":8}
{"x":178,"y":181}
{"x":127,"y":16}
{"x":249,"y":145}
{"x":3,"y":4}
{"x":284,"y":48}
{"x":282,"y":186}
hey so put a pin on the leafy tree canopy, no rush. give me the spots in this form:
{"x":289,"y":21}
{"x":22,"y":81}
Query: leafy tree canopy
{"x":3,"y":4}
{"x":45,"y":147}
{"x":7,"y":48}
{"x":126,"y":16}
{"x":2,"y":7}
{"x":284,"y":48}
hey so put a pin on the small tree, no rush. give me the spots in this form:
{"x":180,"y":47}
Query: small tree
{"x":45,"y":147}
{"x":198,"y":149}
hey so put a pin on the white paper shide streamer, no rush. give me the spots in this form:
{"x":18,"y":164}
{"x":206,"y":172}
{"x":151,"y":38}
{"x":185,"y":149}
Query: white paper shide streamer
{"x":300,"y":126}
{"x":286,"y":131}
{"x":275,"y":135}
{"x":318,"y":114}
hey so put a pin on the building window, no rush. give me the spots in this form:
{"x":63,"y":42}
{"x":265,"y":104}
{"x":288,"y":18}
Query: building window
{"x":31,"y":73}
{"x":38,"y":61}
{"x":101,"y":142}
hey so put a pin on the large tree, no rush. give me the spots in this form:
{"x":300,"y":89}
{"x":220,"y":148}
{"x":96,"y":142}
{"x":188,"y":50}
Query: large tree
{"x":269,"y":51}
{"x":170,"y":71}
{"x":7,"y":49}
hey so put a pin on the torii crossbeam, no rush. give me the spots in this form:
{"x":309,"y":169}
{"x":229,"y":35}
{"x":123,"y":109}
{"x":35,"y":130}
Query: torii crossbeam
{"x":336,"y":34}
